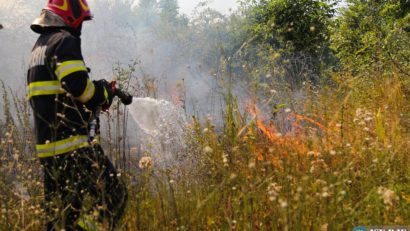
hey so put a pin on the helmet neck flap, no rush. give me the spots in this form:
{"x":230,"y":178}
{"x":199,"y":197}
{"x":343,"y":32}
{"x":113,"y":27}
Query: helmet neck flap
{"x":63,"y":13}
{"x":45,"y":20}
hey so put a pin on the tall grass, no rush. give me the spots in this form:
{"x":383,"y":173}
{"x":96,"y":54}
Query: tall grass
{"x":344,"y":165}
{"x":20,"y":173}
{"x":343,"y":162}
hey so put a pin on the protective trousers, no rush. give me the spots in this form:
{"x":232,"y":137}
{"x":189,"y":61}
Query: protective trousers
{"x":83,"y":191}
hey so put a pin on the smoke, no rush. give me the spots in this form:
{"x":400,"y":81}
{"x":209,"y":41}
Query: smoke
{"x":119,"y":33}
{"x":16,"y":41}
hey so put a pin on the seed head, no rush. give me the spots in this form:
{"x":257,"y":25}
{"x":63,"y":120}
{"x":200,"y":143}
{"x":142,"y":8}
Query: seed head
{"x":145,"y":162}
{"x":208,"y":150}
{"x":387,"y":195}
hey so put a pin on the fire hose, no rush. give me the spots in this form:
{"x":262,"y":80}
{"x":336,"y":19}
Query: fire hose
{"x":94,"y":126}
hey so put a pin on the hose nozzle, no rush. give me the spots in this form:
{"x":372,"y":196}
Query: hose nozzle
{"x":125,"y":97}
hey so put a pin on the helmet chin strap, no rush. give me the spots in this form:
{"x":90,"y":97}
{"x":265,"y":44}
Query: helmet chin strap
{"x":76,"y":32}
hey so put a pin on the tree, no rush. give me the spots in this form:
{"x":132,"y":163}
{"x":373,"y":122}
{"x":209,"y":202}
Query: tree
{"x":293,"y":38}
{"x":296,"y":25}
{"x":374,"y":35}
{"x":208,"y":32}
{"x":172,"y":23}
{"x":148,"y":12}
{"x":169,"y":10}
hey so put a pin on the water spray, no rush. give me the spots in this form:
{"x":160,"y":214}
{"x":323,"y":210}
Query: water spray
{"x":160,"y":130}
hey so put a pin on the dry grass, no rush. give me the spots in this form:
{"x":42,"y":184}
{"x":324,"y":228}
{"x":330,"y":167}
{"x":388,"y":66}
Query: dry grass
{"x":343,"y":162}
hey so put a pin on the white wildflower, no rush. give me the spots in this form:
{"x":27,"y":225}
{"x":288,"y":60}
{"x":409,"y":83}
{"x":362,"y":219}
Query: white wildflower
{"x":16,"y":157}
{"x":145,"y":162}
{"x":208,"y":150}
{"x":387,"y":195}
{"x":225,"y":159}
{"x":325,"y":194}
{"x":273,"y":191}
{"x":359,"y":112}
{"x":252,"y":164}
{"x":311,"y":153}
{"x":324,"y":227}
{"x":283,"y":203}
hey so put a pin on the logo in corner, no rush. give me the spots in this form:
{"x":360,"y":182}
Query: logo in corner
{"x":360,"y":228}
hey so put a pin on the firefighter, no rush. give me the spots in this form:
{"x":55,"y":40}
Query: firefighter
{"x":82,"y":188}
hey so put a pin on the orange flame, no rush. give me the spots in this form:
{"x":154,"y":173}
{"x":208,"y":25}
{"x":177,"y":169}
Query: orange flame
{"x":270,"y":132}
{"x":288,"y":141}
{"x":176,"y":99}
{"x":305,"y":118}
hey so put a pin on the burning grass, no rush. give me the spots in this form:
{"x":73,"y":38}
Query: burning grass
{"x":345,"y":164}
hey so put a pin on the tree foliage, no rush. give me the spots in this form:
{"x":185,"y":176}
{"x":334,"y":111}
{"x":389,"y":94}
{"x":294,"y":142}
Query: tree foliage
{"x":288,"y":39}
{"x":297,"y":25}
{"x":373,"y":35}
{"x":169,"y":10}
{"x":147,"y":12}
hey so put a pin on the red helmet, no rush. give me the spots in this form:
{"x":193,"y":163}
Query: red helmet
{"x":73,"y":12}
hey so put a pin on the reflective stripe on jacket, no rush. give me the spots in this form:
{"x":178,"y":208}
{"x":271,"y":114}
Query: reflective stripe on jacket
{"x":62,"y":146}
{"x":61,"y":94}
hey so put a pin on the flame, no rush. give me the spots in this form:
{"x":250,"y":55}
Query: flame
{"x":270,"y":132}
{"x":298,"y":118}
{"x":176,"y":99}
{"x":290,"y":142}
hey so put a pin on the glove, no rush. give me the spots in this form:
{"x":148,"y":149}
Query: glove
{"x":105,"y":92}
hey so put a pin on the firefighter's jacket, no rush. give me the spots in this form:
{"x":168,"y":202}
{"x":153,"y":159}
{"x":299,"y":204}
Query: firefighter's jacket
{"x":61,"y":94}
